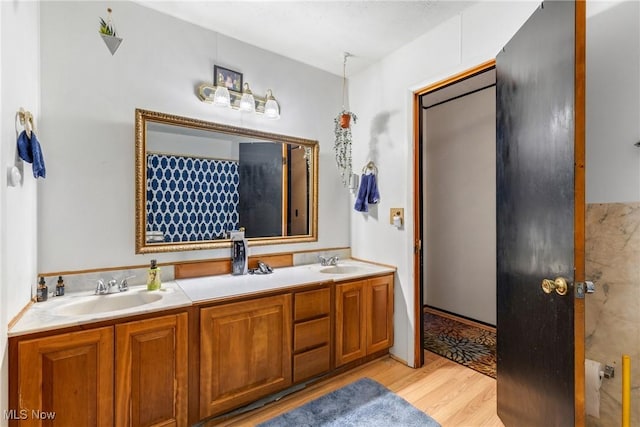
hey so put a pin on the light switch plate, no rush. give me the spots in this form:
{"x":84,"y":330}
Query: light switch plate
{"x":393,"y":212}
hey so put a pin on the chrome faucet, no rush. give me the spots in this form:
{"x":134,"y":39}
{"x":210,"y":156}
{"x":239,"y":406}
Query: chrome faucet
{"x":124,"y":285}
{"x":103,"y":289}
{"x":328,"y":261}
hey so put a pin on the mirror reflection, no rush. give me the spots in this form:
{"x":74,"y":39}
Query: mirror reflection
{"x":198,"y":181}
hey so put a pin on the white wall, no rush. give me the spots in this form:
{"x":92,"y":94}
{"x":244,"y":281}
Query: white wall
{"x":613,"y":102}
{"x":19,"y":80}
{"x":200,"y":145}
{"x":381,"y":96}
{"x":3,"y":316}
{"x":459,"y":206}
{"x":86,"y":218}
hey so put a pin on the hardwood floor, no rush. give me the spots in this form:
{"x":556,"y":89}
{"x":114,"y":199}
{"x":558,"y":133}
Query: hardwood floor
{"x":453,"y":395}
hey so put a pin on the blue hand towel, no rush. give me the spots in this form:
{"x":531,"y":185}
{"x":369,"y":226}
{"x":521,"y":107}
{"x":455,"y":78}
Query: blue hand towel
{"x":373,"y":196}
{"x":30,"y":151}
{"x":361,"y":199}
{"x":367,"y":193}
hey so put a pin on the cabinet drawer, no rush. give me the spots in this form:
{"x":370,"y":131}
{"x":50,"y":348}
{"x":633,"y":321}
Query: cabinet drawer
{"x":312,"y":304}
{"x":311,"y":334}
{"x":311,"y":363}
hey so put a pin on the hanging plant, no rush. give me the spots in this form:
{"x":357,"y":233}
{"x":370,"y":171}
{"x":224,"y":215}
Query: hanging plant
{"x":107,"y":29}
{"x":108,"y":33}
{"x":342,"y":144}
{"x":342,"y":130}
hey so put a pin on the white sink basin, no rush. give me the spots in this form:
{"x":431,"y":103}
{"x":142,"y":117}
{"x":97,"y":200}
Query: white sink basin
{"x":111,"y":302}
{"x":343,"y":269}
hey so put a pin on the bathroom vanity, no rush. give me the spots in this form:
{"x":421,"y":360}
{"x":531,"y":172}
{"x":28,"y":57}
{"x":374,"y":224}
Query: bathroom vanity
{"x":208,"y":346}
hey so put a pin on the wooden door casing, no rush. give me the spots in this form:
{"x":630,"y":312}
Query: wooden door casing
{"x":151,"y":372}
{"x":245,"y":352}
{"x":70,"y":375}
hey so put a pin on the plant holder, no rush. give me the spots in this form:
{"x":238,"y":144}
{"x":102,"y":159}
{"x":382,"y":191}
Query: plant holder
{"x":108,"y":33}
{"x":342,"y":146}
{"x":345,"y":120}
{"x":112,"y":42}
{"x":342,"y":130}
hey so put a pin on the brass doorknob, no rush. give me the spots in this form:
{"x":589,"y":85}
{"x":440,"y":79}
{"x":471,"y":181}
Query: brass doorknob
{"x":559,"y":285}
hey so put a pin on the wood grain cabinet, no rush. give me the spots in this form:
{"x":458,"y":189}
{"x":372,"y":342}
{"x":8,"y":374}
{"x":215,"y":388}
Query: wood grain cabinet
{"x":67,"y":378}
{"x":151,"y":372}
{"x":137,"y":372}
{"x":72,"y":376}
{"x":364,"y":318}
{"x":245,"y":352}
{"x":311,"y":333}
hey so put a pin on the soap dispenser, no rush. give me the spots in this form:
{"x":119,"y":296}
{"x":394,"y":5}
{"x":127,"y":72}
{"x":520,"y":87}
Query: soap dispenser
{"x":153,"y":277}
{"x":43,"y":292}
{"x":60,"y":287}
{"x":239,"y":262}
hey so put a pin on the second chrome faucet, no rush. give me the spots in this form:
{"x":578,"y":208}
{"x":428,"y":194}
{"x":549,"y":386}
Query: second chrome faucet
{"x":328,"y":261}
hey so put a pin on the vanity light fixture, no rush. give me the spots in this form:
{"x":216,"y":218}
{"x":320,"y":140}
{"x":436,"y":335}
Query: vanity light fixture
{"x":271,"y":108}
{"x":247,"y":102}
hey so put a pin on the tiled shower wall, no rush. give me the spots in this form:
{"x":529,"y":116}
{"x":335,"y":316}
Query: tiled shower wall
{"x":612,"y":312}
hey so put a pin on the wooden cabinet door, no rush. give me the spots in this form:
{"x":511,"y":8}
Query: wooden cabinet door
{"x":379,"y":313}
{"x":245,"y":352}
{"x":350,"y":322}
{"x":68,"y":377}
{"x":151,"y":372}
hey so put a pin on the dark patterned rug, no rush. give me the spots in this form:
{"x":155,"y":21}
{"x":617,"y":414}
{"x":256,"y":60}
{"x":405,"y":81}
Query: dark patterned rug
{"x":471,"y":346}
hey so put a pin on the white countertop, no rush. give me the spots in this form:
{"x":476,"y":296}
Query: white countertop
{"x":55,"y":313}
{"x":227,"y":286}
{"x":50,"y":314}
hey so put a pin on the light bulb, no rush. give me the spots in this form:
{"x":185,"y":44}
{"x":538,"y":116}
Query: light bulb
{"x":247,"y":102}
{"x":221,"y":97}
{"x":271,"y":108}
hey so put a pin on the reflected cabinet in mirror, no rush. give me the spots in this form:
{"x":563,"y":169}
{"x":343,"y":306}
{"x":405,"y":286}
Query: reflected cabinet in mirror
{"x":197,"y":181}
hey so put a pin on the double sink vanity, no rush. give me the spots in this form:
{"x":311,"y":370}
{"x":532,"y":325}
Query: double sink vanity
{"x":197,"y":348}
{"x":208,"y":342}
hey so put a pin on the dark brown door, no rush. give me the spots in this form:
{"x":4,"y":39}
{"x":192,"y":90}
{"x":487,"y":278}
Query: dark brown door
{"x":260,"y":189}
{"x":540,"y":218}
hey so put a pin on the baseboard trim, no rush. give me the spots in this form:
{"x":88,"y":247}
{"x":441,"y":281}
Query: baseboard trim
{"x":458,"y":318}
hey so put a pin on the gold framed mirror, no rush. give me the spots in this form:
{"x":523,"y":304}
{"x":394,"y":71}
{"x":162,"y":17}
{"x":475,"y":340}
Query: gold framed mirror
{"x":196,"y":181}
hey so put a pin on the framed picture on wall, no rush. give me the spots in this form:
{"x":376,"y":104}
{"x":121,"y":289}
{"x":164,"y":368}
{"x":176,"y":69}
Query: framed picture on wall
{"x":231,"y":79}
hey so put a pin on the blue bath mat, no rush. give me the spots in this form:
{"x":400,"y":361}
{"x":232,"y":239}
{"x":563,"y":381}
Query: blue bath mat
{"x":363,"y":403}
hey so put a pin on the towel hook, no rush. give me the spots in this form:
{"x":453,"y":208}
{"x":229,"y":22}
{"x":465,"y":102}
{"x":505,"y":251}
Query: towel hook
{"x":370,"y":167}
{"x":26,"y":120}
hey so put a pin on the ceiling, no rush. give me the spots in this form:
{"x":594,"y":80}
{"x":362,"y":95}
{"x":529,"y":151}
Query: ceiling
{"x":318,"y":32}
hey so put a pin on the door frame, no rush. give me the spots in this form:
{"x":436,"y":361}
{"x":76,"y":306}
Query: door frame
{"x":580,"y":195}
{"x":418,"y":356}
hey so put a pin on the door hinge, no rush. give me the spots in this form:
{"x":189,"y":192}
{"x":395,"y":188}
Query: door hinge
{"x":418,"y":247}
{"x":583,"y":288}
